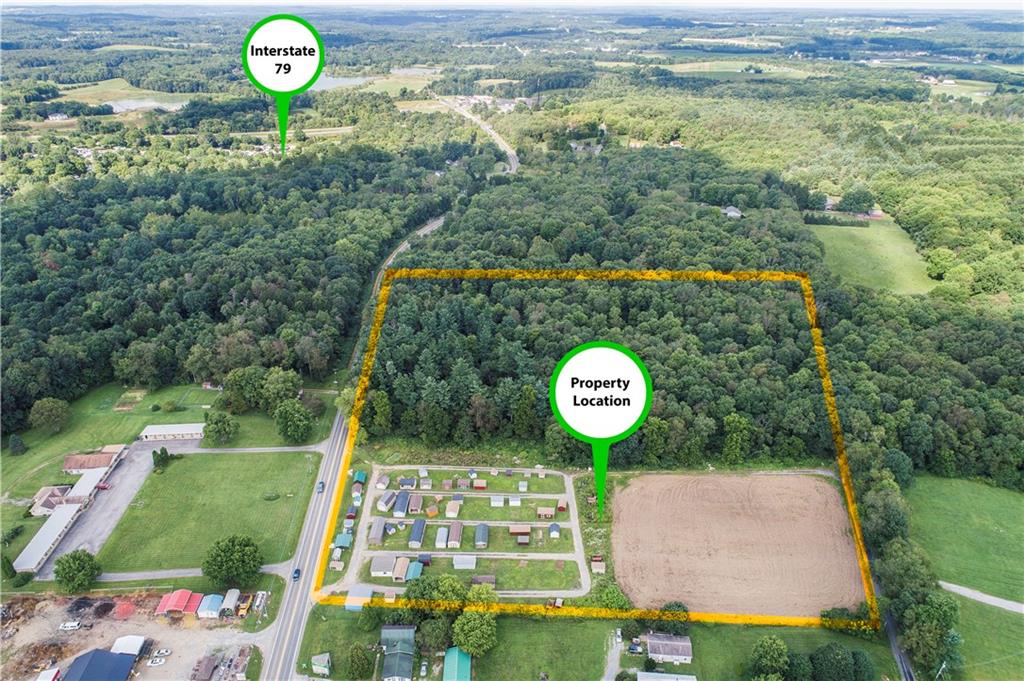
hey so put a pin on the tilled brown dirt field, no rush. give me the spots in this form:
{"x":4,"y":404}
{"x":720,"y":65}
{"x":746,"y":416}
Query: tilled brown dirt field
{"x":735,"y":543}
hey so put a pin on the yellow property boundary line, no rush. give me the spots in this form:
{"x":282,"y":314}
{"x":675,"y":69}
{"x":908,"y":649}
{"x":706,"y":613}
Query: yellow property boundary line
{"x":873,"y":620}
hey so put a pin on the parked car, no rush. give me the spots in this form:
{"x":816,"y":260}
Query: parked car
{"x":636,"y":648}
{"x":163,"y":652}
{"x":618,"y":635}
{"x":320,"y":487}
{"x":70,"y":626}
{"x":103,"y":485}
{"x":155,"y":661}
{"x":423,"y":668}
{"x":295,"y":574}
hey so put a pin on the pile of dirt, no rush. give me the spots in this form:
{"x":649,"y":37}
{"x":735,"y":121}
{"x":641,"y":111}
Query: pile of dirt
{"x":102,"y":609}
{"x":123,"y":608}
{"x":36,"y":657}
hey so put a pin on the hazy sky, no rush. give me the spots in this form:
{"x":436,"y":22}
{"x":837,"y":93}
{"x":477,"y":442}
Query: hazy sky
{"x":837,"y":6}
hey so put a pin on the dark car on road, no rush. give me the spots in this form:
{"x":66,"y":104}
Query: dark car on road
{"x":295,"y":574}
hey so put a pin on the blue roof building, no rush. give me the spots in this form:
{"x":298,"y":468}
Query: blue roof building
{"x":100,"y":665}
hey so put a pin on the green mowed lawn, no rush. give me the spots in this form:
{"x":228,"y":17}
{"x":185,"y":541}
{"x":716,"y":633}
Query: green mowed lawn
{"x":119,"y":88}
{"x":508,"y":573}
{"x":973,"y":533}
{"x":10,"y":517}
{"x":332,"y":629}
{"x":993,"y":647}
{"x":723,"y":651}
{"x":880,"y":255}
{"x":94,"y":423}
{"x":200,"y":498}
{"x":568,"y":650}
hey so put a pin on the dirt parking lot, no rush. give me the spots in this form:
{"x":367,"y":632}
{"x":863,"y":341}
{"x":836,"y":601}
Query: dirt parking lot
{"x":735,"y":543}
{"x":33,"y":637}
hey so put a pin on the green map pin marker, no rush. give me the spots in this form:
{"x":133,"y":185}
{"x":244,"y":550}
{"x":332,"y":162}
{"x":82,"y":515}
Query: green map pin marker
{"x":283,"y":56}
{"x":600,"y":392}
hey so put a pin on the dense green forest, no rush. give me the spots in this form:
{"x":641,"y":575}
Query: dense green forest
{"x":931,"y":378}
{"x":186,"y":276}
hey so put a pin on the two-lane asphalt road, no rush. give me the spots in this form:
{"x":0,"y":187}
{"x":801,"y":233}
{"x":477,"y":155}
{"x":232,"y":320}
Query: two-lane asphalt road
{"x":283,"y":654}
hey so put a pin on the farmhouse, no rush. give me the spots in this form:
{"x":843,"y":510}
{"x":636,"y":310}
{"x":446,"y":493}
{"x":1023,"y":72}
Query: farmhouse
{"x":481,"y":536}
{"x":419,"y":529}
{"x":382,"y":566}
{"x":455,"y":535}
{"x":668,"y":648}
{"x":398,"y":645}
{"x":173,"y":431}
{"x":441,"y":540}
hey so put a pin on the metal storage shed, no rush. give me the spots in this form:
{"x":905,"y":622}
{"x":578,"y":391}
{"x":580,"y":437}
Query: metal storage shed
{"x":209,"y":607}
{"x":482,"y":536}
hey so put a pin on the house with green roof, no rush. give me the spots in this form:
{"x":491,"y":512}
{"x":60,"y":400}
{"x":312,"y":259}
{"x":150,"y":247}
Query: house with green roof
{"x":398,"y":643}
{"x":457,"y":663}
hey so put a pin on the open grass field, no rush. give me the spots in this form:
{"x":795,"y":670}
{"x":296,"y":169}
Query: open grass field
{"x":421,"y":105}
{"x":977,"y":90}
{"x":973,"y":533}
{"x":176,"y":516}
{"x":12,"y":516}
{"x":94,"y":423}
{"x":394,"y":451}
{"x":333,"y":630}
{"x":880,"y":255}
{"x":733,"y":70}
{"x":117,"y":89}
{"x":393,"y":84}
{"x":509,"y":574}
{"x":993,"y":647}
{"x":765,"y":544}
{"x":723,"y":651}
{"x":568,"y":650}
{"x":128,"y":47}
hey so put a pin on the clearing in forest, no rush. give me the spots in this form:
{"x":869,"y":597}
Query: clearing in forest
{"x":735,"y":543}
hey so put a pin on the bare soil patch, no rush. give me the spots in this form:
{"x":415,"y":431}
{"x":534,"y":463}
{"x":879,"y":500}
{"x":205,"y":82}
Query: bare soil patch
{"x":749,"y":544}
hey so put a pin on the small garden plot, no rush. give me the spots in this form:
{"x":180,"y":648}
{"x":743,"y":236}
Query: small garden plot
{"x":128,"y":400}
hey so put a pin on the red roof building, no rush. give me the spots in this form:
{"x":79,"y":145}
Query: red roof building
{"x":176,"y":601}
